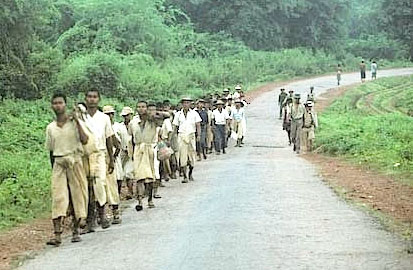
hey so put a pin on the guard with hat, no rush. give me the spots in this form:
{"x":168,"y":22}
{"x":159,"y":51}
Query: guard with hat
{"x":281,"y":99}
{"x":297,"y":115}
{"x":309,"y":126}
{"x":202,"y":144}
{"x":221,"y":119}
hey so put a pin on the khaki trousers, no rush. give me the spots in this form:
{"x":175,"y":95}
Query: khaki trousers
{"x":112,"y":186}
{"x":306,"y":137}
{"x":187,"y":149}
{"x":296,"y":129}
{"x":95,"y":167}
{"x":69,"y":182}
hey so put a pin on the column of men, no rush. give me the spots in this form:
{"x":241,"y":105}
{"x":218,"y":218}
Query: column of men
{"x":298,"y":120}
{"x":92,"y":156}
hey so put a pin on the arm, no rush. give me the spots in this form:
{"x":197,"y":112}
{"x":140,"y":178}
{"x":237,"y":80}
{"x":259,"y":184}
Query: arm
{"x":109,"y":148}
{"x":116,"y":144}
{"x":198,"y":131}
{"x":51,"y":158}
{"x":82,"y":135}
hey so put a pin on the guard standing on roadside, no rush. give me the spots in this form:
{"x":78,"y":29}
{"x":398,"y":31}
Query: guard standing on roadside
{"x":281,"y":99}
{"x":64,"y":139}
{"x":297,"y":114}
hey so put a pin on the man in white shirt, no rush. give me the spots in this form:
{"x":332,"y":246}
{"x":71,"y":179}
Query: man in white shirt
{"x":237,"y":116}
{"x":221,"y":119}
{"x":237,"y":94}
{"x":100,"y":126}
{"x":188,"y":123}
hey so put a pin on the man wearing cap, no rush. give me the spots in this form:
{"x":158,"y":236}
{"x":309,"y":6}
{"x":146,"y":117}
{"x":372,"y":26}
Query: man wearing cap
{"x":309,"y":125}
{"x":64,"y":139}
{"x":226,"y":94}
{"x":221,"y":119}
{"x":290,"y":95}
{"x":297,"y":114}
{"x":238,"y":115}
{"x":117,"y":175}
{"x":172,"y":140}
{"x":287,"y":117}
{"x":311,"y":96}
{"x":237,"y":94}
{"x":126,"y":164}
{"x":188,"y":123}
{"x":281,"y":99}
{"x":144,"y":136}
{"x":96,"y":165}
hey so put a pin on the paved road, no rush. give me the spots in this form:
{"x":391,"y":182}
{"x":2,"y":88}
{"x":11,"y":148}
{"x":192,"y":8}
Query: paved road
{"x":259,"y":207}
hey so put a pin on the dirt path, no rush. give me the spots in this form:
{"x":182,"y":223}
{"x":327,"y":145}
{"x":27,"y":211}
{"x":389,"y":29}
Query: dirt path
{"x":259,"y":207}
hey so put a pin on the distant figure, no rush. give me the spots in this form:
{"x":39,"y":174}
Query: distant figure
{"x":373,"y":69}
{"x":281,"y":99}
{"x":310,"y":96}
{"x":339,"y":70}
{"x":363,"y":71}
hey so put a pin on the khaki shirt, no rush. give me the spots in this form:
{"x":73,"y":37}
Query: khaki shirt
{"x":63,"y":141}
{"x":146,"y":133}
{"x":297,"y":111}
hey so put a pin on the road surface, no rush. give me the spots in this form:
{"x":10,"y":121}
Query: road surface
{"x":259,"y":207}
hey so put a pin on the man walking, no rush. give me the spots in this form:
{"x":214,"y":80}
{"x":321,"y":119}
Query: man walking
{"x":220,"y":121}
{"x":96,"y":164}
{"x":309,"y":126}
{"x":297,"y":114}
{"x":281,"y":99}
{"x":238,"y":115}
{"x":202,"y":144}
{"x":64,"y":139}
{"x":188,"y":123}
{"x":373,"y":70}
{"x":144,"y":136}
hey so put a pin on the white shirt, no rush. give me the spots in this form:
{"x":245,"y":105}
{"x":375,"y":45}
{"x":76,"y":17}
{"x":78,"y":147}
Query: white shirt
{"x":166,"y":128}
{"x":220,"y":117}
{"x":121,"y":133}
{"x":236,"y":95}
{"x":186,"y":125}
{"x":99,"y":124}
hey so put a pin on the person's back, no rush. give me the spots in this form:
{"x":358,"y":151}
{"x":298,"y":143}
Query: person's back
{"x":373,"y":69}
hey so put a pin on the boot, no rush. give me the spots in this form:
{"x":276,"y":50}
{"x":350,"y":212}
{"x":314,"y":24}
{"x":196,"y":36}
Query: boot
{"x":139,"y":206}
{"x":173,"y":175}
{"x":150,"y":189}
{"x":204,"y":153}
{"x":129,"y":184}
{"x":191,"y":168}
{"x":242,"y":140}
{"x":116,"y":215}
{"x":57,"y":227}
{"x":104,"y":222}
{"x":185,"y":180}
{"x":75,"y":231}
{"x":91,"y":218}
{"x":155,"y":193}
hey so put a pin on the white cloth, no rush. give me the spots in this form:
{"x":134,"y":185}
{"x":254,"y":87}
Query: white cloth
{"x":186,"y":125}
{"x":99,"y":124}
{"x":166,"y":128}
{"x":236,"y":95}
{"x":220,"y":117}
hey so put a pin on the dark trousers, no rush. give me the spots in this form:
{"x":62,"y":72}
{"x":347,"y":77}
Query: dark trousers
{"x":220,"y":137}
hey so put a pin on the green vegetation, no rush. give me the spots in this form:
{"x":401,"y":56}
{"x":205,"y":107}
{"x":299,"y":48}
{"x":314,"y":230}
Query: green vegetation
{"x":157,"y":49}
{"x":370,"y":125}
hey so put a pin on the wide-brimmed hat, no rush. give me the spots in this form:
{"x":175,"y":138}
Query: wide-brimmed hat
{"x":297,"y":96}
{"x":238,"y":101}
{"x":226,"y":90}
{"x":186,"y":98}
{"x":220,"y":102}
{"x":310,"y":103}
{"x":238,"y":87}
{"x":126,"y":111}
{"x":200,"y":100}
{"x":108,"y":109}
{"x":290,"y":91}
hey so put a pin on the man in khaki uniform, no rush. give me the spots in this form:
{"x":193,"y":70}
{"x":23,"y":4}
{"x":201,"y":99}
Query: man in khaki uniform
{"x":297,"y":114}
{"x":144,"y":135}
{"x":64,"y":139}
{"x":112,"y":178}
{"x":210,"y":132}
{"x":188,"y":123}
{"x":96,"y":164}
{"x":309,"y":126}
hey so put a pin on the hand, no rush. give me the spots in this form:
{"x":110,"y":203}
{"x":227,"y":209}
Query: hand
{"x":198,"y":138}
{"x":111,"y":166}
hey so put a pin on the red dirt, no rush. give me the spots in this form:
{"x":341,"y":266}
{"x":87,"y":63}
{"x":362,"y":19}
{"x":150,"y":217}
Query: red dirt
{"x":379,"y":192}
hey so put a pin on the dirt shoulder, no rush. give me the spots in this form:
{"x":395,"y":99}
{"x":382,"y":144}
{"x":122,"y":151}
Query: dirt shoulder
{"x":386,"y":197}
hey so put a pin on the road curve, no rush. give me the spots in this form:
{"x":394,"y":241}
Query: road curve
{"x":259,"y":207}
